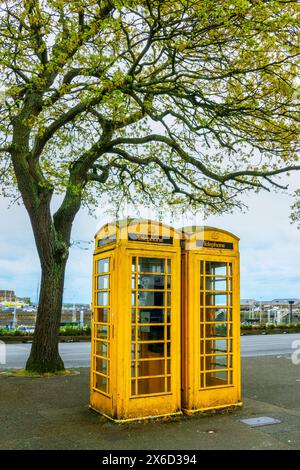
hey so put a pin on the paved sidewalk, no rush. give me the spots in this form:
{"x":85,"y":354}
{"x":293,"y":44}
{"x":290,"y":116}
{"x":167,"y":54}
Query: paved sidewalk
{"x":53,"y":413}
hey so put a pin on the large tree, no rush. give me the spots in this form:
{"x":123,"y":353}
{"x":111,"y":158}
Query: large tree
{"x":178,"y":102}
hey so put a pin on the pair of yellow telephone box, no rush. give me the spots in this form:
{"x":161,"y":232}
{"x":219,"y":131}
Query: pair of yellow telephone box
{"x":166,"y":327}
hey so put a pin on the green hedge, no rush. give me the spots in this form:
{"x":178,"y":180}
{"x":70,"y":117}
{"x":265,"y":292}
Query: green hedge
{"x":5,"y":332}
{"x":70,"y":330}
{"x":67,"y":330}
{"x":271,"y":326}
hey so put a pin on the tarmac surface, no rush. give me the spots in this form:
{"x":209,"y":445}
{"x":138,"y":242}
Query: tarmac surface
{"x":53,"y":413}
{"x":78,"y":354}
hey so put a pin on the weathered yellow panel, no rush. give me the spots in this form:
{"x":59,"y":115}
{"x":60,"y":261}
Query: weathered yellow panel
{"x":136,"y":321}
{"x":211,"y":319}
{"x":141,"y":274}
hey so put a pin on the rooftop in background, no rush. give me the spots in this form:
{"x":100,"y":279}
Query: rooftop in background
{"x":283,"y":301}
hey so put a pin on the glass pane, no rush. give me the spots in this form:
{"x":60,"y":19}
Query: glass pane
{"x":132,"y":351}
{"x":216,"y":314}
{"x":145,"y":351}
{"x":215,"y":268}
{"x":202,"y":315}
{"x":217,"y":284}
{"x":133,"y":298}
{"x":133,"y":311}
{"x":217,"y":345}
{"x":102,"y":348}
{"x":102,"y":366}
{"x":151,"y":299}
{"x":133,"y":282}
{"x":216,"y":362}
{"x":153,"y":315}
{"x":209,"y":284}
{"x":133,"y":392}
{"x":150,"y":282}
{"x":151,"y":265}
{"x":101,"y":383}
{"x":103,"y":282}
{"x":201,"y":267}
{"x":103,"y":265}
{"x":168,"y":282}
{"x":168,"y":333}
{"x":103,"y":298}
{"x":102,"y":315}
{"x":133,"y":264}
{"x":168,"y":315}
{"x":214,"y":283}
{"x":202,"y":380}
{"x":214,"y":379}
{"x":102,"y":331}
{"x":220,"y":329}
{"x":216,"y":299}
{"x":133,"y":331}
{"x":148,"y":386}
{"x":221,"y":375}
{"x":150,"y":333}
{"x":169,"y":266}
{"x":148,"y":368}
{"x":168,"y":299}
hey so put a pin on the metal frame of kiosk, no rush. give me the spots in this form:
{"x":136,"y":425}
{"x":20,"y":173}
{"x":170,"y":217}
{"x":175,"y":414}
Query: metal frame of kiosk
{"x":136,"y":327}
{"x":210,"y":320}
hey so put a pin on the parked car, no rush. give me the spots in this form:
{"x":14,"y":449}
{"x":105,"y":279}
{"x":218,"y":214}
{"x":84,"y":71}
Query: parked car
{"x":26,"y":329}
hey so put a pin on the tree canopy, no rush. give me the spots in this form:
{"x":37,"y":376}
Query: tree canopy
{"x":181,"y":102}
{"x":171,"y":101}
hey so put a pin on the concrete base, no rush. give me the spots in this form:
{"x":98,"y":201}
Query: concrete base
{"x":120,"y":421}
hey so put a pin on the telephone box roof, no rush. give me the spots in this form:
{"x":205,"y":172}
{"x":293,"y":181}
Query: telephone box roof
{"x":193,"y":229}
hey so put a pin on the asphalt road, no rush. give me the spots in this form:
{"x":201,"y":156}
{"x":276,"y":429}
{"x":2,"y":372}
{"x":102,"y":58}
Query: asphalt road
{"x":78,"y":354}
{"x":269,"y":345}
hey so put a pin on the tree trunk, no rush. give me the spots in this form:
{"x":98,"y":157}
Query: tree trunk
{"x":44,"y":356}
{"x":52,"y":236}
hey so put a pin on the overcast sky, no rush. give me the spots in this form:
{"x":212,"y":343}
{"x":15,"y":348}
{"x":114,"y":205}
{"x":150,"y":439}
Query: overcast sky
{"x":269,"y":246}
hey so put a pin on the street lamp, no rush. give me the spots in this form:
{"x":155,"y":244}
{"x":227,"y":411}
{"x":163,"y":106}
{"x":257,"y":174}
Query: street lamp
{"x":260,"y":311}
{"x":291,"y":302}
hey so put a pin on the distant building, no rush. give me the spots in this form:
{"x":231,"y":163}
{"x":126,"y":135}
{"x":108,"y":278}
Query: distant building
{"x":248,"y":301}
{"x":284,"y":301}
{"x":7,"y":296}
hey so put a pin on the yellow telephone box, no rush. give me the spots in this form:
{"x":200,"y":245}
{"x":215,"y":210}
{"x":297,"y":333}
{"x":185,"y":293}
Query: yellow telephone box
{"x":135,"y":366}
{"x":211,"y":319}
